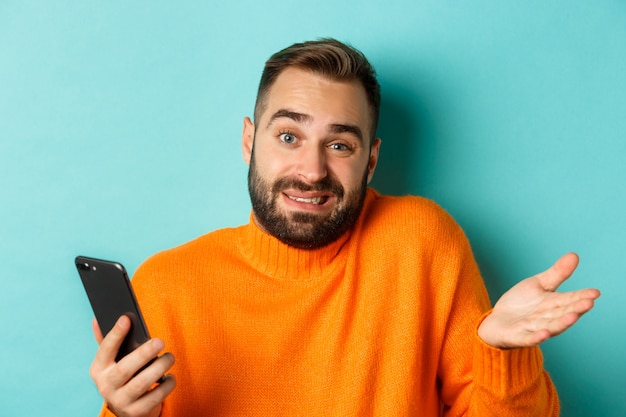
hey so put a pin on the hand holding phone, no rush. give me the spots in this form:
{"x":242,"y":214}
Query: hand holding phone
{"x":111,"y":297}
{"x":126,"y":391}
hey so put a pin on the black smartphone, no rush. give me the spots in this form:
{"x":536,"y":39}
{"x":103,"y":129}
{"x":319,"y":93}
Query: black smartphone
{"x":111,"y":296}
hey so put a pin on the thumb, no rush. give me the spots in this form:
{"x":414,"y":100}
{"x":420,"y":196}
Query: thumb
{"x":96,"y":330}
{"x":562,"y":269}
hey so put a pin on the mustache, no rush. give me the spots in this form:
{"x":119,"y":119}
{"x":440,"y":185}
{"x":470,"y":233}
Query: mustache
{"x":327,"y":185}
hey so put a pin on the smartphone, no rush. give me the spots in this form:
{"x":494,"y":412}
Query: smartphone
{"x":111,"y":296}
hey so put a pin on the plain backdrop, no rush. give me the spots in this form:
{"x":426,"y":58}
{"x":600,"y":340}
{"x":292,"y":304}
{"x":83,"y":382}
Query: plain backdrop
{"x":120,"y":126}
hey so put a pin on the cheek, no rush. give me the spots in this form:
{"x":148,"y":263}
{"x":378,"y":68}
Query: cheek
{"x":350,"y":175}
{"x":275,"y":164}
{"x":270,"y":168}
{"x":271,"y":165}
{"x":262,"y":157}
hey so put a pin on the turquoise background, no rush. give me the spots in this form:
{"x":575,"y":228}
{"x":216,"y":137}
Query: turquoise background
{"x":120,"y":127}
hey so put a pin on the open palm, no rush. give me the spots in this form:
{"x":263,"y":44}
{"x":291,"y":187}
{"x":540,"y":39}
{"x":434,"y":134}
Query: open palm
{"x":532,"y":311}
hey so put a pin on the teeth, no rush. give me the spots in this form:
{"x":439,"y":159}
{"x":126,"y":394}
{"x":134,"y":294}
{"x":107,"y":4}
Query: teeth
{"x":315,"y":200}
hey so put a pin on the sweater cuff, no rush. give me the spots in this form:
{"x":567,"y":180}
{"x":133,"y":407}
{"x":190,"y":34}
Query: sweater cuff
{"x":105,"y":412}
{"x":505,"y":371}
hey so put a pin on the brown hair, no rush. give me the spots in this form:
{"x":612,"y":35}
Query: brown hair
{"x":328,"y":58}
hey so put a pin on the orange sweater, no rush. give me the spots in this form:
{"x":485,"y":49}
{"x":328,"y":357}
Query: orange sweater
{"x":380,"y":323}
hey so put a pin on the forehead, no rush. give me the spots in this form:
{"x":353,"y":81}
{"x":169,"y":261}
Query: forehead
{"x":318,"y":96}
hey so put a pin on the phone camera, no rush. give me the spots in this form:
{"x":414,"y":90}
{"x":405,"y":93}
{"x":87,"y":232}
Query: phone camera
{"x":84,"y":266}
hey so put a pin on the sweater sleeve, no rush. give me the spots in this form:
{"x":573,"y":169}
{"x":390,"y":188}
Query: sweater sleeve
{"x":478,"y":380}
{"x":511,"y":382}
{"x":105,"y":412}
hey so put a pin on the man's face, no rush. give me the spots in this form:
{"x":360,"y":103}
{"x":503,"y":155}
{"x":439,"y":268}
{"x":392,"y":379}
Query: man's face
{"x":310,"y":160}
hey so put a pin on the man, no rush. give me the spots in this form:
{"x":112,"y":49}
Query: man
{"x":333,"y":300}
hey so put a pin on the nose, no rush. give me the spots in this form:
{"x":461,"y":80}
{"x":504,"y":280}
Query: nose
{"x":311,"y":164}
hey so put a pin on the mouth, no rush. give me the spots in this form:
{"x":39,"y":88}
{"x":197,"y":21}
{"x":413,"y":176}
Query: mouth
{"x":315,"y":201}
{"x":318,"y":200}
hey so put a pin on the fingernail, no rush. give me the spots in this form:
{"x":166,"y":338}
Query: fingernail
{"x":123,"y":322}
{"x":158,"y":343}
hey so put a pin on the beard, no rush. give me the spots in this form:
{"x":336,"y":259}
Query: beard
{"x":304,"y":230}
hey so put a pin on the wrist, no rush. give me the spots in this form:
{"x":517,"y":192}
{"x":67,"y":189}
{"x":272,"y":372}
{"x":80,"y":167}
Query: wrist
{"x":487,"y":332}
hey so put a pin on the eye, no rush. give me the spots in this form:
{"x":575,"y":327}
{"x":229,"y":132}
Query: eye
{"x":288,"y":138}
{"x":338,"y":146}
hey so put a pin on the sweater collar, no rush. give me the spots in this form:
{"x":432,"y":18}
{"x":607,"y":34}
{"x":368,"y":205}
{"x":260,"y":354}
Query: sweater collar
{"x":273,"y":258}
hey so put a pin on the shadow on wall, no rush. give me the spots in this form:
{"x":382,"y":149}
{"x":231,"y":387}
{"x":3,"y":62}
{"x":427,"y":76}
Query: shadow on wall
{"x":403,"y":128}
{"x":413,"y":148}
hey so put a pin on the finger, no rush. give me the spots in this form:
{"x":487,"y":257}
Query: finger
{"x":537,"y":337}
{"x":146,"y":379}
{"x":153,"y":398}
{"x":110,"y":344}
{"x":560,"y":299}
{"x":561,"y":324}
{"x":96,"y":330}
{"x":557,"y":305}
{"x":128,"y":366}
{"x":562,"y":269}
{"x":585,"y":302}
{"x":565,"y":317}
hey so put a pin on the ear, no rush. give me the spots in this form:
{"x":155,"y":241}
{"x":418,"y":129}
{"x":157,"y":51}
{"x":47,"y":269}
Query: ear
{"x":373,"y":159}
{"x":247,"y":139}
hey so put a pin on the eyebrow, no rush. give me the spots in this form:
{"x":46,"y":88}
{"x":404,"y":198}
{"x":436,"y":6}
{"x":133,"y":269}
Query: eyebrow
{"x":305,"y":118}
{"x":284,"y":113}
{"x":345,"y":128}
